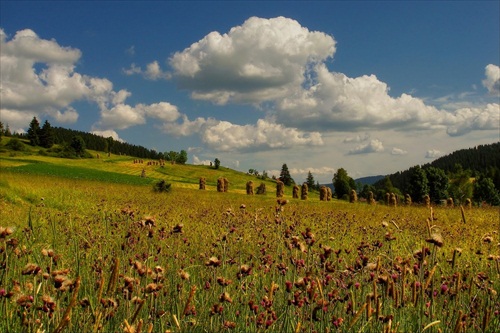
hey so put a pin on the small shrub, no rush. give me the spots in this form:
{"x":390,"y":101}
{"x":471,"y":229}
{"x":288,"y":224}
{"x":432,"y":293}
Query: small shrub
{"x":16,"y":144}
{"x":162,"y":186}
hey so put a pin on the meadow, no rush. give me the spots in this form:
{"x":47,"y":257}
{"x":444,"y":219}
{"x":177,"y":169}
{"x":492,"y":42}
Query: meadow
{"x":88,"y":246}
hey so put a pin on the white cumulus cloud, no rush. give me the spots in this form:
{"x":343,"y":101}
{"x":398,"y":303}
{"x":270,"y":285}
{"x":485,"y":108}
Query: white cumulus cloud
{"x":226,"y":136}
{"x":433,"y":153}
{"x":398,"y":151}
{"x":492,"y":80}
{"x":109,"y":133}
{"x":153,"y":71}
{"x":374,"y":146}
{"x":261,"y":60}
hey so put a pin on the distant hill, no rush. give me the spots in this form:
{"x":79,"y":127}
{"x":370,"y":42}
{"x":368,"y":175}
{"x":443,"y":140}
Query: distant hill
{"x":369,"y":180}
{"x":482,"y":159}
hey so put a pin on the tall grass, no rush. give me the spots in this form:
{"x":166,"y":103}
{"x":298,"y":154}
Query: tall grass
{"x":98,"y":256}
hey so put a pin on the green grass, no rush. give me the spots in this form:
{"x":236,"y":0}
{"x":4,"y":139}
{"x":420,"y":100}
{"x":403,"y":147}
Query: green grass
{"x":203,"y":261}
{"x":76,"y":172}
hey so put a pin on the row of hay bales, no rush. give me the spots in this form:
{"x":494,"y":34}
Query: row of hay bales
{"x":223,"y":186}
{"x":325,"y":193}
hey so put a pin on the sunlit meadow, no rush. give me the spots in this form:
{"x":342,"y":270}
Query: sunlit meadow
{"x":84,"y":254}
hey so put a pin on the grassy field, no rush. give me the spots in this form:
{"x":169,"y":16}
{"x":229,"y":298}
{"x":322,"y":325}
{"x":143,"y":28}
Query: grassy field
{"x":88,"y":246}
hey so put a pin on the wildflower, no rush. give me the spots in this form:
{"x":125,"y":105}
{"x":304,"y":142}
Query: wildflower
{"x":389,"y":237}
{"x":213,"y":261}
{"x":31,"y":269}
{"x":487,"y":239}
{"x":224,"y":297}
{"x":183,"y":274}
{"x":26,"y":301}
{"x":6,"y":232}
{"x":444,"y":288}
{"x":435,"y":239}
{"x":229,"y":324}
{"x":245,"y":270}
{"x":152,"y":287}
{"x":48,"y":253}
{"x":223,"y":282}
{"x":178,"y":228}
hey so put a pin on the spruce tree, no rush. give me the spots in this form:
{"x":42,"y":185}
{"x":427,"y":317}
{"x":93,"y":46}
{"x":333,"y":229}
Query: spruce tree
{"x":46,"y":135}
{"x":34,"y":132}
{"x":310,"y":181}
{"x":285,"y":176}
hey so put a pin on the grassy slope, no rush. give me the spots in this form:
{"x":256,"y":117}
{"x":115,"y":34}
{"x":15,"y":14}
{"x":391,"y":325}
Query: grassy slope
{"x":121,"y":169}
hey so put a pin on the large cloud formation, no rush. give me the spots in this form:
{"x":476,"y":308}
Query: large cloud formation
{"x":225,"y":136}
{"x":277,"y":60}
{"x":263,"y":59}
{"x":38,"y":78}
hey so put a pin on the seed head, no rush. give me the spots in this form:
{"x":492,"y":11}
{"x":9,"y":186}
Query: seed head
{"x":435,"y":239}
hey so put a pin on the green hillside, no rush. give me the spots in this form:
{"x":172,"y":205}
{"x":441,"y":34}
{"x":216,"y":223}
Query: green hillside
{"x":123,"y":169}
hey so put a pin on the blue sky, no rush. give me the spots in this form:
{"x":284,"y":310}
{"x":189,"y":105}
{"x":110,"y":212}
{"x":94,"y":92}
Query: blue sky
{"x":374,"y":87}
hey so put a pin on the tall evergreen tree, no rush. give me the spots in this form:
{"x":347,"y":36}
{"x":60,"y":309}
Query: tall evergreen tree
{"x":310,"y":181}
{"x":34,"y":132}
{"x":1,"y":130}
{"x":46,"y":135}
{"x":285,"y":175}
{"x":7,"y":130}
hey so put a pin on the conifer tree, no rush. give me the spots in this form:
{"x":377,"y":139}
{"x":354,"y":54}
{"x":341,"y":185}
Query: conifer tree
{"x":285,"y":176}
{"x":34,"y":132}
{"x":46,"y":135}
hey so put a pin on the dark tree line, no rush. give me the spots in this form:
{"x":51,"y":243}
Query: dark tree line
{"x":47,"y":136}
{"x":446,"y":177}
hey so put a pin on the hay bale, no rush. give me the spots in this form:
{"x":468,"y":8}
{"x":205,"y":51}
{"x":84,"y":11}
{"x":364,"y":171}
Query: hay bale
{"x":427,"y":201}
{"x":468,"y":203}
{"x":220,"y":184}
{"x":143,"y":173}
{"x":261,"y":189}
{"x":371,"y":199}
{"x":387,"y":198}
{"x":203,"y":182}
{"x":329,"y":194}
{"x":408,"y":201}
{"x":323,"y":193}
{"x":353,"y":196}
{"x":226,"y":184}
{"x":295,"y":192}
{"x":280,"y":189}
{"x":304,"y":191}
{"x":250,"y":187}
{"x":393,"y":201}
{"x":450,"y":203}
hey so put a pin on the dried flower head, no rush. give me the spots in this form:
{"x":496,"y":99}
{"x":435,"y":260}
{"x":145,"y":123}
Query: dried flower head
{"x":31,"y":269}
{"x":435,"y":239}
{"x":487,"y":239}
{"x":213,"y":261}
{"x":6,"y":232}
{"x":183,"y":274}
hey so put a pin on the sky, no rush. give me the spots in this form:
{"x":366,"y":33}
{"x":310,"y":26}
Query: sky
{"x":373,"y":87}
